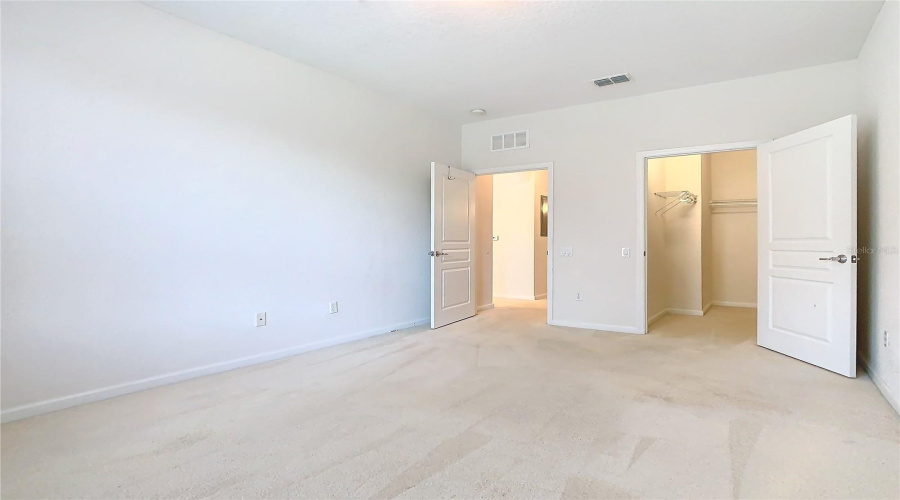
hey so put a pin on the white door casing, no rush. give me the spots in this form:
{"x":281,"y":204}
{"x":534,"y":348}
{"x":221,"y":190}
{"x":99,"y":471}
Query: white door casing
{"x":452,"y":245}
{"x":807,"y":212}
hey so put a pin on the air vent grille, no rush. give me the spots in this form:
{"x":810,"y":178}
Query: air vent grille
{"x":611,"y":80}
{"x":510,"y":140}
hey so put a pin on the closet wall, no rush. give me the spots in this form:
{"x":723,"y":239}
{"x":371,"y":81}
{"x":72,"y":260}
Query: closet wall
{"x":675,"y":253}
{"x":701,"y":255}
{"x":733,"y":231}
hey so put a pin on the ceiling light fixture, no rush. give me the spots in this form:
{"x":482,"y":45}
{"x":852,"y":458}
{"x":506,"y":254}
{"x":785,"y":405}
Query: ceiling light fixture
{"x":478,"y":112}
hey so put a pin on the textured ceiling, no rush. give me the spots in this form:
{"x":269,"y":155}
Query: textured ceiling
{"x":517,"y":57}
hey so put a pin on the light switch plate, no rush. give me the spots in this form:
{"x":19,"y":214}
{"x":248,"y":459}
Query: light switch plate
{"x":260,"y":319}
{"x":626,"y":251}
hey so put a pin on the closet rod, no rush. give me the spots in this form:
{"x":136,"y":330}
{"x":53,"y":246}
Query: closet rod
{"x":733,"y":203}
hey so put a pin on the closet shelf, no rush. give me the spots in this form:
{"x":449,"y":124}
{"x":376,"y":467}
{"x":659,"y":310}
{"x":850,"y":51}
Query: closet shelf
{"x":672,"y":194}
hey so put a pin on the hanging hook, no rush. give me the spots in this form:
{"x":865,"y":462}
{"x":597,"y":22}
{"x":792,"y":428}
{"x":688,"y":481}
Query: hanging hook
{"x":449,"y":177}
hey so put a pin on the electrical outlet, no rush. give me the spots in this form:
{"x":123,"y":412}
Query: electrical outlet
{"x":260,"y":319}
{"x":887,"y":339}
{"x":565,"y":251}
{"x":332,"y":308}
{"x":578,"y":296}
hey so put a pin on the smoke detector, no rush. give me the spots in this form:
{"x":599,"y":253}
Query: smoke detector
{"x":612,"y":80}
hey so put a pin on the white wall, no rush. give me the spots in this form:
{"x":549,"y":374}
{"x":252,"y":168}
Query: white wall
{"x":594,"y":148}
{"x":683,"y":242}
{"x":879,"y":208}
{"x":484,"y":214}
{"x":706,"y":247}
{"x":733,"y":232}
{"x":540,"y":242}
{"x":513,"y":271}
{"x":163,"y":183}
{"x":657,"y":270}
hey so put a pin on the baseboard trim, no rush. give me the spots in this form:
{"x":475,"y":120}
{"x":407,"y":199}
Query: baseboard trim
{"x":540,"y":296}
{"x":750,"y":305}
{"x":515,"y":297}
{"x":485,"y":307}
{"x":882,"y":387}
{"x":686,"y":312}
{"x":706,"y":308}
{"x":61,"y":403}
{"x":657,"y":316}
{"x":595,"y":326}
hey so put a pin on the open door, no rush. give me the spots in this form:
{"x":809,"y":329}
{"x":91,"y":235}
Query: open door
{"x":452,"y":234}
{"x":807,"y":246}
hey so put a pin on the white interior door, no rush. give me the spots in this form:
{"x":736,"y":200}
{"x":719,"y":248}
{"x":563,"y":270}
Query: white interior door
{"x":452,"y":235}
{"x":807,"y":246}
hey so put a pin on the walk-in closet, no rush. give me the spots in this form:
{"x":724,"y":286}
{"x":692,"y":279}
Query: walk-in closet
{"x":701,"y":233}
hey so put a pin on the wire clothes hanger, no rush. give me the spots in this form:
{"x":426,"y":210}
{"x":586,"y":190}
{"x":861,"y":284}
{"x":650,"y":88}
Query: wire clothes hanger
{"x":686,"y":197}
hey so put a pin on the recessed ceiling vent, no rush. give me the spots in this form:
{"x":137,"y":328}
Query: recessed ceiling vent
{"x":612,"y":80}
{"x":511,"y":140}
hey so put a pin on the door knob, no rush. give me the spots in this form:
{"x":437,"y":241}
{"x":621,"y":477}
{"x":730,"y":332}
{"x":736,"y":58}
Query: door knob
{"x":840,"y":258}
{"x":437,"y":253}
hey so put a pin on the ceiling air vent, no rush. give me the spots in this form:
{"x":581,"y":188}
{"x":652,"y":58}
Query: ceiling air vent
{"x":612,"y":80}
{"x":511,"y":140}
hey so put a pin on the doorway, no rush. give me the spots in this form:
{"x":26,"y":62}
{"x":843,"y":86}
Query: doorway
{"x":701,"y":234}
{"x":514,"y":232}
{"x":806,"y":235}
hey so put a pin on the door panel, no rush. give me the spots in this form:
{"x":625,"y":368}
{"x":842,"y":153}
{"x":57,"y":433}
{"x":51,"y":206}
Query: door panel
{"x":452,"y":234}
{"x":807,"y":213}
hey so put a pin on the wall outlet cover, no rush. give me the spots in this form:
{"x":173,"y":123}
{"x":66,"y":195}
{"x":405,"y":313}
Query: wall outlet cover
{"x":333,"y":308}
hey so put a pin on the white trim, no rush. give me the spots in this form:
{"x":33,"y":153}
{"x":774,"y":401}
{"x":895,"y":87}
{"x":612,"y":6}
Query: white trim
{"x":540,"y":296}
{"x":486,"y":307}
{"x":642,"y":157}
{"x":657,"y":316}
{"x":882,"y":387}
{"x":548,"y":166}
{"x":686,"y":312}
{"x":725,"y":303}
{"x":594,"y":326}
{"x":61,"y":403}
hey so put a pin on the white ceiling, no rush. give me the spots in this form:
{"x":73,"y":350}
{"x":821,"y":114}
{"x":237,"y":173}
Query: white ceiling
{"x":517,"y":57}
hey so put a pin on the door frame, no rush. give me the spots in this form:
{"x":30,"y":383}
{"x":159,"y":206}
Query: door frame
{"x":642,"y":158}
{"x":548,"y":166}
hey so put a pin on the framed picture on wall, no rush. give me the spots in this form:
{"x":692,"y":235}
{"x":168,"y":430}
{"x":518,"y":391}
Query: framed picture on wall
{"x":544,"y":208}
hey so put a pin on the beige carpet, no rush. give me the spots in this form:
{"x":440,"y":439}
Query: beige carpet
{"x":501,"y":405}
